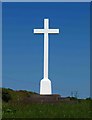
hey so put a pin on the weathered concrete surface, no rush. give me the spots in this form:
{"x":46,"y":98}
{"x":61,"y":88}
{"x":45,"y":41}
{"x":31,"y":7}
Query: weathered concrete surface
{"x":43,"y":98}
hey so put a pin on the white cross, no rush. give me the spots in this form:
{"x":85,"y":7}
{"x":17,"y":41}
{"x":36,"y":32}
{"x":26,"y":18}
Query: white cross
{"x":46,"y":31}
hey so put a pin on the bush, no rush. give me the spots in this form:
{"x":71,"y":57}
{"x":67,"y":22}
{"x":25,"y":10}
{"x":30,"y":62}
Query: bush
{"x":89,"y":98}
{"x":73,"y":98}
{"x":6,"y":96}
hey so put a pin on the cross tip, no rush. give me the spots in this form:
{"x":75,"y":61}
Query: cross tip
{"x":34,"y":30}
{"x":58,"y":31}
{"x":46,"y":19}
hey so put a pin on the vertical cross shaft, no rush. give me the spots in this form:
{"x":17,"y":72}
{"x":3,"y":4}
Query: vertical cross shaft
{"x":46,"y":48}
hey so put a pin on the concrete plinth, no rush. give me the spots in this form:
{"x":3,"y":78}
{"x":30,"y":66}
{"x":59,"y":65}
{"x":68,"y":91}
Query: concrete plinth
{"x":45,"y":87}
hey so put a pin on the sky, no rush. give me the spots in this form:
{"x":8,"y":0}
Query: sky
{"x":69,"y":51}
{"x":46,"y":0}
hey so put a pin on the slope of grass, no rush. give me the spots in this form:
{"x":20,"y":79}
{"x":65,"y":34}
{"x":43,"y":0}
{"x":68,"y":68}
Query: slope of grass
{"x":16,"y":109}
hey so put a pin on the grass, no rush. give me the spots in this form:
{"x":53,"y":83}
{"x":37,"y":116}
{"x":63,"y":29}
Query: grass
{"x":60,"y":110}
{"x":16,"y":109}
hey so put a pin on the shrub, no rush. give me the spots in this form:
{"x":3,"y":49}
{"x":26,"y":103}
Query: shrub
{"x":89,"y":98}
{"x":73,"y":98}
{"x":6,"y":96}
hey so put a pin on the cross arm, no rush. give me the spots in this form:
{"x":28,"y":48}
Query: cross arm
{"x":53,"y":31}
{"x":38,"y":31}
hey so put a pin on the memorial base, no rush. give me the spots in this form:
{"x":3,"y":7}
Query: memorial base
{"x":45,"y":87}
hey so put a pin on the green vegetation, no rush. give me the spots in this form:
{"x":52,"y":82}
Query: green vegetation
{"x":6,"y":96}
{"x":17,"y":108}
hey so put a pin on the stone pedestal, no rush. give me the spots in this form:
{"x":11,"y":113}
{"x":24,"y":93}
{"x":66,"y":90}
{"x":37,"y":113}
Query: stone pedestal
{"x":45,"y":87}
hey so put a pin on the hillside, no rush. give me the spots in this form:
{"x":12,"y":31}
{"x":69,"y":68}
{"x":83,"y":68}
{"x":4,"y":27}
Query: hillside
{"x":9,"y":95}
{"x":23,"y":104}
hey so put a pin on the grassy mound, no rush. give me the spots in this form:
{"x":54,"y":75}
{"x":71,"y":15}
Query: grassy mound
{"x":15,"y":107}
